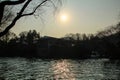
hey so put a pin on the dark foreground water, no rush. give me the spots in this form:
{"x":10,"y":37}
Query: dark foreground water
{"x":64,"y":69}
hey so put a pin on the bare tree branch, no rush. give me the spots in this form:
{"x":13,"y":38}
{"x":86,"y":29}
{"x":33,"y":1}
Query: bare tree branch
{"x":28,"y":14}
{"x":12,"y":2}
{"x":15,"y":19}
{"x":4,"y":3}
{"x":7,"y":16}
{"x":21,"y":12}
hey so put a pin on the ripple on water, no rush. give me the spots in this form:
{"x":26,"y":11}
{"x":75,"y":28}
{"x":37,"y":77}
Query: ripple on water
{"x":63,"y":69}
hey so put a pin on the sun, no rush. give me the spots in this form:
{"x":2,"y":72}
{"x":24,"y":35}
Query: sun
{"x":63,"y":18}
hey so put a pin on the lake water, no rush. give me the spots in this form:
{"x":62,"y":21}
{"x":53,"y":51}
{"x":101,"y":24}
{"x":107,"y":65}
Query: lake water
{"x":63,"y":69}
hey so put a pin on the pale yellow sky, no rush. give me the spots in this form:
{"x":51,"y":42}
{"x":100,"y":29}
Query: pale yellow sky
{"x":84,"y":16}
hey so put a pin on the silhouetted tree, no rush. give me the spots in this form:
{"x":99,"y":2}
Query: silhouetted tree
{"x":32,"y":36}
{"x":29,"y":37}
{"x":22,"y":38}
{"x":7,"y":37}
{"x":22,"y":12}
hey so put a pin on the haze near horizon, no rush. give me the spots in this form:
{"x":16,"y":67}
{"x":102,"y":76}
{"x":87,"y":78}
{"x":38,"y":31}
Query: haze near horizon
{"x":75,"y":16}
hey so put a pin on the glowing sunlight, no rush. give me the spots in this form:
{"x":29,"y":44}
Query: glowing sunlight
{"x":62,"y":70}
{"x":63,"y":18}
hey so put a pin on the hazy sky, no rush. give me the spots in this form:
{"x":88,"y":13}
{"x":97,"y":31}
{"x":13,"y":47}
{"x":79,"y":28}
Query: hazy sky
{"x":84,"y":16}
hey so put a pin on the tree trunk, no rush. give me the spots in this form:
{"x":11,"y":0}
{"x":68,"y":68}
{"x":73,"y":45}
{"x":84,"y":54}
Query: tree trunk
{"x":1,"y":12}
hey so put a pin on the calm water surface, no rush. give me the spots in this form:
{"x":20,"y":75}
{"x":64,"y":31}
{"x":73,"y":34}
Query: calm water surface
{"x":63,"y":69}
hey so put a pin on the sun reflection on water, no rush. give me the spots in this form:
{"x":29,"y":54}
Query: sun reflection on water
{"x":61,"y":70}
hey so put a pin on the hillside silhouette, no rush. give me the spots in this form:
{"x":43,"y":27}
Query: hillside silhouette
{"x":104,"y":44}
